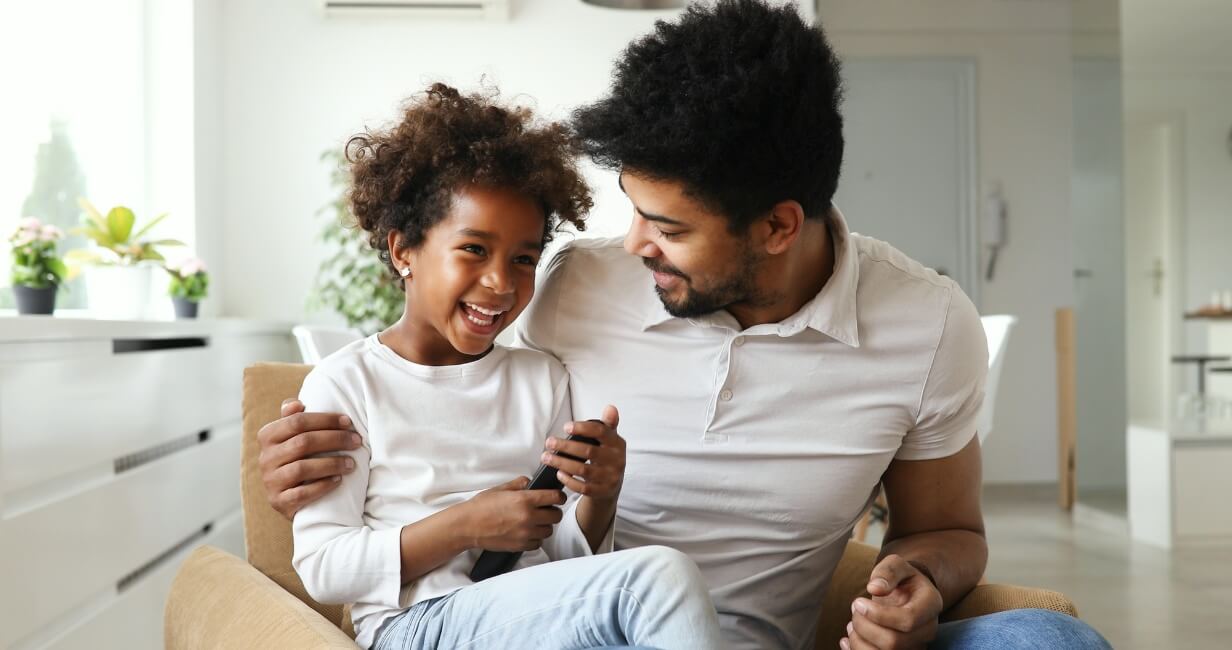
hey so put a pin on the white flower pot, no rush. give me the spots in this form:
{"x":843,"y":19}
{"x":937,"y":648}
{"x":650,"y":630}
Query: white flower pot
{"x":119,"y":292}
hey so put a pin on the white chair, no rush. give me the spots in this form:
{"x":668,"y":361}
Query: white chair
{"x":318,"y":341}
{"x":997,"y":331}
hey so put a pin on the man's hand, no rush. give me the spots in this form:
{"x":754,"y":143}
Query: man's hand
{"x":292,"y":478}
{"x":602,"y":477}
{"x":901,"y":613}
{"x":511,"y":518}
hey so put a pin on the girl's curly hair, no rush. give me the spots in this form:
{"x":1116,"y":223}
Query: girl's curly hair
{"x":404,"y":178}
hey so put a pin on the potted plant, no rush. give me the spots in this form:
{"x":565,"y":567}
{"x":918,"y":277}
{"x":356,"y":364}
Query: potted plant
{"x":120,"y":264}
{"x":37,"y":271}
{"x":352,"y":281}
{"x":188,"y":287}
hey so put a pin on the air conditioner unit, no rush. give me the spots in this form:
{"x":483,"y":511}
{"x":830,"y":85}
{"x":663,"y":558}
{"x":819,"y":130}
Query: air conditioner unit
{"x":481,"y":9}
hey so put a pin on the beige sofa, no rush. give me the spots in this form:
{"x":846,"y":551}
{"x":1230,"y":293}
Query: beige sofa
{"x":221,"y":601}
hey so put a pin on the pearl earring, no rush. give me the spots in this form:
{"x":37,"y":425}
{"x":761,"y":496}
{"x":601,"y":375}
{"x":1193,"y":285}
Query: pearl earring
{"x":405,"y":272}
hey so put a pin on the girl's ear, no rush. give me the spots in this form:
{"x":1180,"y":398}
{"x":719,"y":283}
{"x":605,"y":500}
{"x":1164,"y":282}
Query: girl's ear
{"x":402,"y":256}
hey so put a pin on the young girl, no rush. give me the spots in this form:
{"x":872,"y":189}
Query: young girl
{"x":459,"y":200}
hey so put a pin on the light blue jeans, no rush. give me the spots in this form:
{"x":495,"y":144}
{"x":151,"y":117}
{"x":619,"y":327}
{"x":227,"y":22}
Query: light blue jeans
{"x":1019,"y":629}
{"x":651,"y":596}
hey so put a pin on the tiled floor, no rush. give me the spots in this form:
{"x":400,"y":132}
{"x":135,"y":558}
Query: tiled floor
{"x":1136,"y":595}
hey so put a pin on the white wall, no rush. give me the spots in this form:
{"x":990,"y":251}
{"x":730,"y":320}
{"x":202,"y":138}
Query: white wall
{"x":1024,"y":56}
{"x":294,"y":83}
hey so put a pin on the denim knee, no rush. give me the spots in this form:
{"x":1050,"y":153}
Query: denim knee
{"x":1020,"y":629}
{"x":662,"y":558}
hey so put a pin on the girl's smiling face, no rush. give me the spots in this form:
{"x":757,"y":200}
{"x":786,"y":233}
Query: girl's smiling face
{"x":472,"y":275}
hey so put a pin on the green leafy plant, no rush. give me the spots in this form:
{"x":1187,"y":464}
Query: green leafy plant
{"x":117,"y":243}
{"x":352,"y":281}
{"x":35,"y":263}
{"x":189,"y":280}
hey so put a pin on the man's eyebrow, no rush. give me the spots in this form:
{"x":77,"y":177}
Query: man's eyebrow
{"x":658,"y":218}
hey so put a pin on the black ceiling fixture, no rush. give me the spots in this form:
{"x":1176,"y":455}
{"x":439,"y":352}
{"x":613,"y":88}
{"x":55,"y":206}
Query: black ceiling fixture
{"x":638,"y":4}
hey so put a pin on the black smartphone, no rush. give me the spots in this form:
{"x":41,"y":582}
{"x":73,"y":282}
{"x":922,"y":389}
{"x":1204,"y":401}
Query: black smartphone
{"x":494,"y":563}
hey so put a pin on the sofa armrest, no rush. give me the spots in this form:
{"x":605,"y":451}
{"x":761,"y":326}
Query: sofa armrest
{"x":989,"y":599}
{"x":220,"y":601}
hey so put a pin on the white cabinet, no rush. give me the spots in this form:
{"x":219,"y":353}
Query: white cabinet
{"x":1179,"y":482}
{"x":1219,"y":341}
{"x":119,"y":453}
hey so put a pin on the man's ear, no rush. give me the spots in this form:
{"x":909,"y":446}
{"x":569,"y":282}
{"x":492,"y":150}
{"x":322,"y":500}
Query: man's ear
{"x":782,"y":226}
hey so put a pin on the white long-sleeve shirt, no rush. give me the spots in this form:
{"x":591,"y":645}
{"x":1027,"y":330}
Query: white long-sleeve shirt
{"x":433,"y":436}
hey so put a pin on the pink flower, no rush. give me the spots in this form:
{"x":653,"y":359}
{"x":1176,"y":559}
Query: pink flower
{"x":29,"y":223}
{"x":51,"y":233}
{"x":192,"y":266}
{"x":188,"y":267}
{"x":22,"y":238}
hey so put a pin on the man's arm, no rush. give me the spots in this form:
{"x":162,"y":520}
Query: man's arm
{"x":936,"y":519}
{"x":933,"y":554}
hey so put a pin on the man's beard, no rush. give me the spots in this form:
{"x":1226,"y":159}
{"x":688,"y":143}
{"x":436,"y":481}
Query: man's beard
{"x":736,"y":287}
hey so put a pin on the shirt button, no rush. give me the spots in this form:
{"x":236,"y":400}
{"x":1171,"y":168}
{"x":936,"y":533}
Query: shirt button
{"x":738,"y":341}
{"x":726,"y":395}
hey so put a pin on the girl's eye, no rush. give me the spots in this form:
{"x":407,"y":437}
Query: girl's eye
{"x":669,"y":236}
{"x":474,"y":248}
{"x":525,"y":259}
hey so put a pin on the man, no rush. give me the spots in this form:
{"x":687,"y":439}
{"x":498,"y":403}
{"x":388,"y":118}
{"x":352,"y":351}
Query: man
{"x":773,"y":370}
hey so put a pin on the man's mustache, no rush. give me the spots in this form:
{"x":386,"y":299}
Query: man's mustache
{"x":655,"y":266}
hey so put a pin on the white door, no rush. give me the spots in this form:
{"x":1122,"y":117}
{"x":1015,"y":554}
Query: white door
{"x":909,"y":166}
{"x":1152,"y":194}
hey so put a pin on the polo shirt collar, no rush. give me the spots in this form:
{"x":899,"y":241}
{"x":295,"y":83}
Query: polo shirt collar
{"x":832,"y":311}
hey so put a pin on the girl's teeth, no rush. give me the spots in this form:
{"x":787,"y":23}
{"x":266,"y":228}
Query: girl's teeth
{"x":481,"y":323}
{"x":486,"y":312}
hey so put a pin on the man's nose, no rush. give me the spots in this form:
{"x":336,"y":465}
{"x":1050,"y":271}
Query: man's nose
{"x":637,"y":242}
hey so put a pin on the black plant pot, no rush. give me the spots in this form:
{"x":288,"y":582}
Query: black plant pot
{"x":184,"y":308}
{"x":35,"y":301}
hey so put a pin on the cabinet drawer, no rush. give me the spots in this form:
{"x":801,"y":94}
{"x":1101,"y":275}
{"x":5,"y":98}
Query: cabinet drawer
{"x":66,"y":553}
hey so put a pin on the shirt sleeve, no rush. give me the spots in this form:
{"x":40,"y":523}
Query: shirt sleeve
{"x":954,"y":388}
{"x":339,"y":558}
{"x":568,"y":540}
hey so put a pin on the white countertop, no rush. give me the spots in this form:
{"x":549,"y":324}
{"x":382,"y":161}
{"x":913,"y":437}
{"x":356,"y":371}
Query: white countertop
{"x":1210,"y":430}
{"x":15,"y":329}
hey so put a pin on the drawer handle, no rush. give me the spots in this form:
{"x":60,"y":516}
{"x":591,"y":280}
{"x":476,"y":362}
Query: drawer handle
{"x":125,"y":346}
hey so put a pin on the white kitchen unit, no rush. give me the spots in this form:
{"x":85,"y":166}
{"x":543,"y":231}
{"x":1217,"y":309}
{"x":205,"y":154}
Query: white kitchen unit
{"x":119,"y":453}
{"x":1219,"y":341}
{"x":1180,"y":481}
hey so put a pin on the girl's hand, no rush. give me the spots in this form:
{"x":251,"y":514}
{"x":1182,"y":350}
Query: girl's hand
{"x":509,"y":517}
{"x":603,"y":471}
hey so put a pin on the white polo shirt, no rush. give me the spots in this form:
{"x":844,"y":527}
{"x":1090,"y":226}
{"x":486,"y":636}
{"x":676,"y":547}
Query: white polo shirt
{"x":754,"y":451}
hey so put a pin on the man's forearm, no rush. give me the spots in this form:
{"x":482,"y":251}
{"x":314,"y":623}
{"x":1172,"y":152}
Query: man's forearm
{"x":955,"y":558}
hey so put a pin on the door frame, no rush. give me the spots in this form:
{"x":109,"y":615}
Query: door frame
{"x":1175,"y":278}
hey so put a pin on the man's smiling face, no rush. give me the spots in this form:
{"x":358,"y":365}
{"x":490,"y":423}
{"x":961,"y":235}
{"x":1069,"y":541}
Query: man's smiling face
{"x":699,"y":265}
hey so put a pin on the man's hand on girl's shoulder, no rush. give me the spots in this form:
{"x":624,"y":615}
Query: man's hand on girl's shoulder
{"x":293,"y":478}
